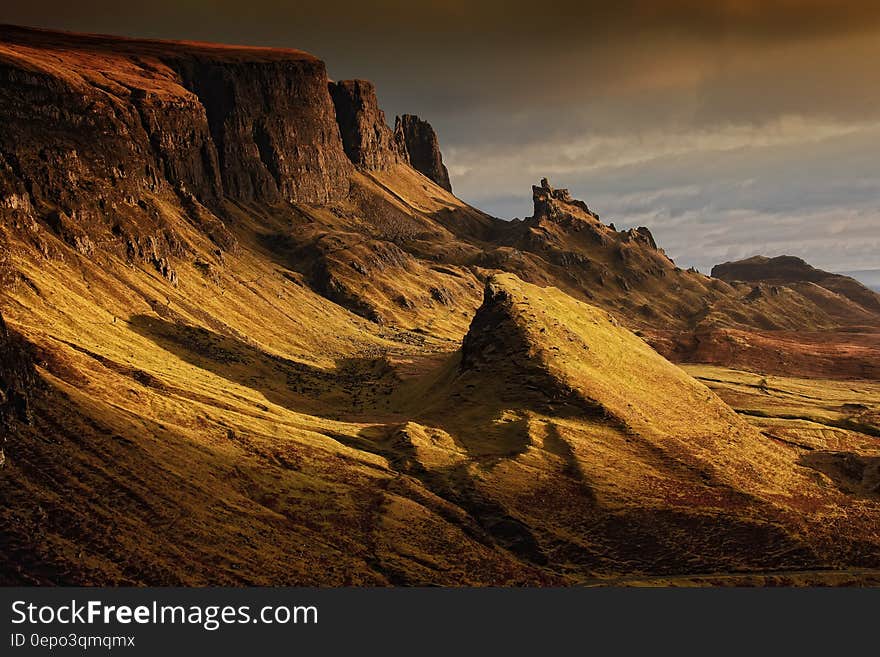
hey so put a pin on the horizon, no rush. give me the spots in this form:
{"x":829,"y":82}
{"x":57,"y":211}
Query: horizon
{"x":704,"y":126}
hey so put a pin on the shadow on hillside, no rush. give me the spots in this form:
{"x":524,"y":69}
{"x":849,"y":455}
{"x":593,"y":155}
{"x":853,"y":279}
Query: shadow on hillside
{"x":555,"y":443}
{"x":355,"y":390}
{"x":352,"y":390}
{"x":852,"y":473}
{"x":492,"y":522}
{"x":294,"y":385}
{"x":359,"y":390}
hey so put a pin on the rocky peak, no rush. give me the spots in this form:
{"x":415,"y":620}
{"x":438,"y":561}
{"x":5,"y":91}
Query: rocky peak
{"x":422,"y":148}
{"x":640,"y":235}
{"x":553,"y":203}
{"x":366,"y":138}
{"x":271,"y":123}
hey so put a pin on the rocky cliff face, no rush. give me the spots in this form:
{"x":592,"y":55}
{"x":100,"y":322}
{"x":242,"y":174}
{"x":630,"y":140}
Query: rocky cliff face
{"x":17,"y":381}
{"x":136,"y":115}
{"x":423,"y":148}
{"x":367,"y":139}
{"x":371,"y":144}
{"x":553,"y":203}
{"x":273,"y":126}
{"x":109,"y":143}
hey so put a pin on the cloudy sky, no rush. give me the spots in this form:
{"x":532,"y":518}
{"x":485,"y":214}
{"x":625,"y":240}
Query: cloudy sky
{"x":729,"y":127}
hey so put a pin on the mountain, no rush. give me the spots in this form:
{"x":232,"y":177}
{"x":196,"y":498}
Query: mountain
{"x":251,"y":337}
{"x":845,"y":344}
{"x":795,"y":272}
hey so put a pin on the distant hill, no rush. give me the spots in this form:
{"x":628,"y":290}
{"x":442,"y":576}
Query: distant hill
{"x":794,"y":271}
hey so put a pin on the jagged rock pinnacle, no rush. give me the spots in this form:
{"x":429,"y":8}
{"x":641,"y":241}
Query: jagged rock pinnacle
{"x":423,"y":148}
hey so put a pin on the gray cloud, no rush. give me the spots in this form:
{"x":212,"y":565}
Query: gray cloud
{"x":810,"y":190}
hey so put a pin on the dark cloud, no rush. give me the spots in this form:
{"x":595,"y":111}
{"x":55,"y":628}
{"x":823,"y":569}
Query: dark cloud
{"x":623,"y":60}
{"x":816,"y":196}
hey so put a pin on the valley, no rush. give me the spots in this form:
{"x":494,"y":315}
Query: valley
{"x":254,"y":347}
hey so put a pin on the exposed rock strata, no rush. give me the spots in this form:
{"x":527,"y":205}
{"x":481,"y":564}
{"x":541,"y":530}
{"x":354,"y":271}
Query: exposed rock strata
{"x":17,"y":380}
{"x":367,"y":139}
{"x":423,"y":148}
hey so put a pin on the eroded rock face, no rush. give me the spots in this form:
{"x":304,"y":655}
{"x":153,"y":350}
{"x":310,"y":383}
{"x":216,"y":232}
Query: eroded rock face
{"x":423,"y":148}
{"x":273,"y":126}
{"x":17,"y":380}
{"x":552,"y":203}
{"x":107,"y":142}
{"x":641,"y":235}
{"x":367,"y":139}
{"x":72,"y":148}
{"x":177,"y":127}
{"x":371,"y":144}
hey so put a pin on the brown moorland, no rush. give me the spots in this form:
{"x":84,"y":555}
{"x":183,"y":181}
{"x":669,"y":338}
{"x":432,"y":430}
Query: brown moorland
{"x":237,"y":351}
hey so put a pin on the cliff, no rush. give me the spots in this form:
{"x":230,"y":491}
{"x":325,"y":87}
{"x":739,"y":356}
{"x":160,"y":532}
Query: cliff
{"x":423,"y":148}
{"x":371,"y":144}
{"x":366,"y":137}
{"x":17,"y":382}
{"x":249,"y":124}
{"x":112,"y":142}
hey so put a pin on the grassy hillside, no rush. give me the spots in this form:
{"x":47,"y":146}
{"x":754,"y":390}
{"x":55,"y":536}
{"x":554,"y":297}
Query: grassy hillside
{"x":239,"y":357}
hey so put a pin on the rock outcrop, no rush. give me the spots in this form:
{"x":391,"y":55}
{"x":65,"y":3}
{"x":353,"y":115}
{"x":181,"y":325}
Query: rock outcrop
{"x":17,"y":381}
{"x":423,"y":148}
{"x":558,"y":206}
{"x":371,"y":144}
{"x":367,"y":139}
{"x":551,"y":203}
{"x":273,"y":125}
{"x":641,"y":235}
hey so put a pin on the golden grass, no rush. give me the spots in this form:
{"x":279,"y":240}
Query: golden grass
{"x":240,"y":428}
